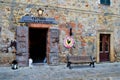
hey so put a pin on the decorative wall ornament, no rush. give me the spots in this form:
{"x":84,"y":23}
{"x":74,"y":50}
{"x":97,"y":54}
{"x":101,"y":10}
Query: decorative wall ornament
{"x":69,"y":42}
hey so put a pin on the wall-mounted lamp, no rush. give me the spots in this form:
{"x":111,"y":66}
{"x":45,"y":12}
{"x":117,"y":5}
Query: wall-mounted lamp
{"x":40,"y":12}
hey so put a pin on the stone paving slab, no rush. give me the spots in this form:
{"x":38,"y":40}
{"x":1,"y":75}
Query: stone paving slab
{"x":103,"y":71}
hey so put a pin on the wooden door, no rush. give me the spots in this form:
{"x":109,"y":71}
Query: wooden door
{"x":22,"y":45}
{"x":104,"y":47}
{"x":54,"y":46}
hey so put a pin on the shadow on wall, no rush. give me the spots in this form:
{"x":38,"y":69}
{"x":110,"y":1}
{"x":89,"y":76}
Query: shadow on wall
{"x":8,"y":46}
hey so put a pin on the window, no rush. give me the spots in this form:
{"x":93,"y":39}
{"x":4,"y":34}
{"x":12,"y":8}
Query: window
{"x":105,"y":2}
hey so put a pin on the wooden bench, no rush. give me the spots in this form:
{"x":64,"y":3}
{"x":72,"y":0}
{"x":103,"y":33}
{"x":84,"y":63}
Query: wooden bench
{"x":79,"y":60}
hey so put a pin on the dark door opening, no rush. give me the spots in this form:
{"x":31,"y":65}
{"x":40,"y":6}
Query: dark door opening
{"x":104,"y":47}
{"x":37,"y":44}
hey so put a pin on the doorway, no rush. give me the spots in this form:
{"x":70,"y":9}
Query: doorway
{"x":38,"y":44}
{"x":104,"y":47}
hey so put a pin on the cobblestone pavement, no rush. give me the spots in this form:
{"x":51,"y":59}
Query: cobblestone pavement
{"x":102,"y":71}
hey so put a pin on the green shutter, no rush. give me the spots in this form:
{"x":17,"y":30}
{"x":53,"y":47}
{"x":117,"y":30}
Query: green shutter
{"x":105,"y":2}
{"x":102,"y":1}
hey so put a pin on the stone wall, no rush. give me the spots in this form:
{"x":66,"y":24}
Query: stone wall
{"x":6,"y":59}
{"x":85,"y":17}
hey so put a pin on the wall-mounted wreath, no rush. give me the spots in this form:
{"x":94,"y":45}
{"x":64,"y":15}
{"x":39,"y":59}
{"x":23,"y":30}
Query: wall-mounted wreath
{"x":68,"y":42}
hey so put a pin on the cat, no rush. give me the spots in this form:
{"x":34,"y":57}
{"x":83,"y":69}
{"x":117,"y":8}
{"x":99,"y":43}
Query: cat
{"x":14,"y":64}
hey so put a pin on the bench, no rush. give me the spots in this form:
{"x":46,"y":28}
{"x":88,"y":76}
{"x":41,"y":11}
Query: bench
{"x":80,"y":60}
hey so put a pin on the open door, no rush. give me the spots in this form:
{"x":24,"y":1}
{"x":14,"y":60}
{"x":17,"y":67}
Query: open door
{"x":54,"y":46}
{"x":104,"y":47}
{"x":22,"y":45}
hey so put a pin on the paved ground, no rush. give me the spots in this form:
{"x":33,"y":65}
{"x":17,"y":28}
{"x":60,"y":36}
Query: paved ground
{"x":102,"y":71}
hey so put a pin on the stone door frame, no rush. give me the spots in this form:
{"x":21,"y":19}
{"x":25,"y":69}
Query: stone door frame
{"x":37,"y":25}
{"x":112,"y":57}
{"x":41,"y":22}
{"x":48,"y":43}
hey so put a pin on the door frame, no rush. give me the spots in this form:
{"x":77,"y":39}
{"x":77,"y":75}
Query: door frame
{"x":48,"y":26}
{"x":48,"y":42}
{"x":111,"y":55}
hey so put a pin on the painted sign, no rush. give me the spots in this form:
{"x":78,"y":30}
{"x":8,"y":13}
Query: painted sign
{"x":30,"y":19}
{"x":69,"y":42}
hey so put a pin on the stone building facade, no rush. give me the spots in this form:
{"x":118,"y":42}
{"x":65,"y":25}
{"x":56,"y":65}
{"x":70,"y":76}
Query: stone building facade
{"x":94,"y":26}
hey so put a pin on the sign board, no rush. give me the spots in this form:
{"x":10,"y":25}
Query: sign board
{"x":30,"y":19}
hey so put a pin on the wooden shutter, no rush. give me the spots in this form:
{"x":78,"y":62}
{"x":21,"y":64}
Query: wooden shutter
{"x":22,"y":45}
{"x":54,"y":46}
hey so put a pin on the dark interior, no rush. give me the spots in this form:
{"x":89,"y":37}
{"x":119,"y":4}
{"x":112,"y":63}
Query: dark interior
{"x":37,"y":44}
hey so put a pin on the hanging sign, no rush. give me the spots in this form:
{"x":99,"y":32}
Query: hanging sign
{"x":42,"y":20}
{"x":69,"y":42}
